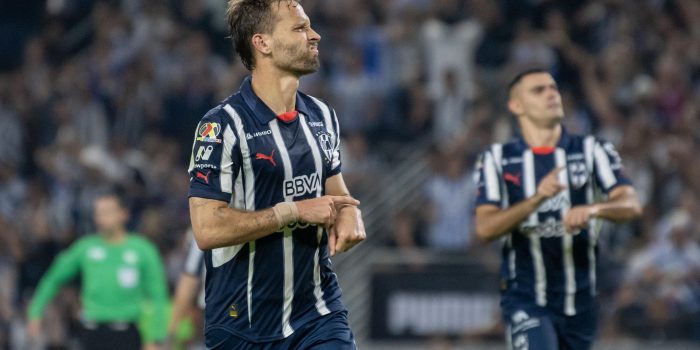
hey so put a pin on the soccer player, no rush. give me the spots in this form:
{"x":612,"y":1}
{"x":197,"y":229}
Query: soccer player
{"x":190,"y":286}
{"x":119,"y":272}
{"x":268,"y":202}
{"x":543,"y":193}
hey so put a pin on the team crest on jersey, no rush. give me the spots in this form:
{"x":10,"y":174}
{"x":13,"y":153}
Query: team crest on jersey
{"x":578,"y":174}
{"x":208,"y":132}
{"x":324,"y":139}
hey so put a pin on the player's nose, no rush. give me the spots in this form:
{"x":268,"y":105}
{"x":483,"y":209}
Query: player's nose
{"x":314,"y":36}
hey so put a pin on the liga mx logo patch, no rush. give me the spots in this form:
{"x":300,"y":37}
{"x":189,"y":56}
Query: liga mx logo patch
{"x":208,"y":132}
{"x":324,"y":139}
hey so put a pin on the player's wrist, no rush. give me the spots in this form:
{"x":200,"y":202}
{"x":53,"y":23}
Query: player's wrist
{"x":286,"y":213}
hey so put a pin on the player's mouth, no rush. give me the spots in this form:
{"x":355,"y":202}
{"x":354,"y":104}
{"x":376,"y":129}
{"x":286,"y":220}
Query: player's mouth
{"x":314,"y":49}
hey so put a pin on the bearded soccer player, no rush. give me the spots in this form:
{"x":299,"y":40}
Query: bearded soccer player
{"x":543,"y":193}
{"x":267,"y":198}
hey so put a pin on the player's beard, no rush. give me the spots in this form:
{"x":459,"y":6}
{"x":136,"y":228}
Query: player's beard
{"x":299,"y":60}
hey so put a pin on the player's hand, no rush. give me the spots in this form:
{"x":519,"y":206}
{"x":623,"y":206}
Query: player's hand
{"x":323,"y":210}
{"x":549,"y":186}
{"x":347,"y":231}
{"x":577,"y":218}
{"x":34,"y":329}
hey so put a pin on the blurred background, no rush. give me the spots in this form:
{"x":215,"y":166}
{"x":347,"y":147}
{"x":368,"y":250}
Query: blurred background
{"x":95,"y":94}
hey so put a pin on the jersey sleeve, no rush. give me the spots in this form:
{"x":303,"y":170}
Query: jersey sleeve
{"x":487,"y":179}
{"x":65,"y":267}
{"x":214,"y":162}
{"x":607,"y":167}
{"x":156,"y":292}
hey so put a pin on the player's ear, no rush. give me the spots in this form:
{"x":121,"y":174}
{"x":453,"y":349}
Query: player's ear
{"x":514,"y":106}
{"x":262,"y":43}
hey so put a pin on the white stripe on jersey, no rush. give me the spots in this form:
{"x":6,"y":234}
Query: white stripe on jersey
{"x":331,"y":129}
{"x":491,"y":178}
{"x":288,"y":241}
{"x":226,"y":175}
{"x":540,"y":274}
{"x":567,"y":239}
{"x":602,"y":163}
{"x":220,"y":256}
{"x":247,"y":165}
{"x":529,"y":183}
{"x":318,"y":162}
{"x":529,"y":180}
{"x":246,"y":202}
{"x":588,"y":145}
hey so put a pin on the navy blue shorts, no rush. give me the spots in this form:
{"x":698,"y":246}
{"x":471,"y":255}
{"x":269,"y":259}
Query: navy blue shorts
{"x":330,"y":332}
{"x":536,"y":327}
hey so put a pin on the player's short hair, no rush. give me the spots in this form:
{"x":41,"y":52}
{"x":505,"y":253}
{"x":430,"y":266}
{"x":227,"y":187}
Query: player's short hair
{"x":518,"y":77}
{"x":245,"y":19}
{"x":116,"y":194}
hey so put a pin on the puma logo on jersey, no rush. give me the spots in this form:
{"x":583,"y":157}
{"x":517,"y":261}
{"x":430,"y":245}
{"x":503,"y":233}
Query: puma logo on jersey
{"x":269,"y":158}
{"x":203,"y":176}
{"x":514,"y":179}
{"x":301,"y":185}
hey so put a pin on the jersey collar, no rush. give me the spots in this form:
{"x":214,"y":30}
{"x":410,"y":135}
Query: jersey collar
{"x":563,"y":142}
{"x":261,"y":111}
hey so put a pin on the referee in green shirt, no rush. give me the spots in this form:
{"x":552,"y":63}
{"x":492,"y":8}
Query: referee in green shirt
{"x":119,"y":271}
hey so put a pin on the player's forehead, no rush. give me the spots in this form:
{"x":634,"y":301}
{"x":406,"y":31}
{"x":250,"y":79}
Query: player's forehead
{"x":286,"y":11}
{"x":536,"y":79}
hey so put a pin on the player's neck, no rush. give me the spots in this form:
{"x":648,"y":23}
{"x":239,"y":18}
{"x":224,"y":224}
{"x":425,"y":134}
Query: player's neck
{"x":277,"y":90}
{"x":114,"y":237}
{"x":539,"y":136}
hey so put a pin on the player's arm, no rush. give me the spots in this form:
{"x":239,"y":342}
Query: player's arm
{"x":348,"y":229}
{"x":185,"y":293}
{"x":622,"y":205}
{"x":65,"y":267}
{"x":216,"y":225}
{"x":157,"y":293}
{"x":492,"y":222}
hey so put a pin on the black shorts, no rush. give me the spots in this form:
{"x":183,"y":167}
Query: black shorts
{"x":109,"y":336}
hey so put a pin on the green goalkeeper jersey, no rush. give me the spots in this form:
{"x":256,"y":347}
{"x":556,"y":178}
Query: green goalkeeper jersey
{"x":117,"y":278}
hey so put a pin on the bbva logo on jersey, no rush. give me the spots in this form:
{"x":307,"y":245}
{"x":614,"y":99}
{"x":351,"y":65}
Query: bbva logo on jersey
{"x":301,"y":185}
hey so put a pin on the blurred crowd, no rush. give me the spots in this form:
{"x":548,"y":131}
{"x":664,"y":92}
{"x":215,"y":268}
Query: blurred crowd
{"x":98,"y":94}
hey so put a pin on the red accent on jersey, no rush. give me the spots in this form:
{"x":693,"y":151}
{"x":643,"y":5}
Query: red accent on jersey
{"x":203,"y":176}
{"x":542,"y":151}
{"x":266,"y":157}
{"x":514,"y":179}
{"x":288,"y":116}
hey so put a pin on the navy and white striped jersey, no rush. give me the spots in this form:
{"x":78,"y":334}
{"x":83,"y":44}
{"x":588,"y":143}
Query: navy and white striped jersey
{"x":541,"y":262}
{"x":242,"y":154}
{"x":194,"y":266}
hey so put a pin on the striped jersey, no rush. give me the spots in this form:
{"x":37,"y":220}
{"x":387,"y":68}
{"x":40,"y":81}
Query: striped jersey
{"x":244,"y":155}
{"x":541,"y":262}
{"x":194,"y":266}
